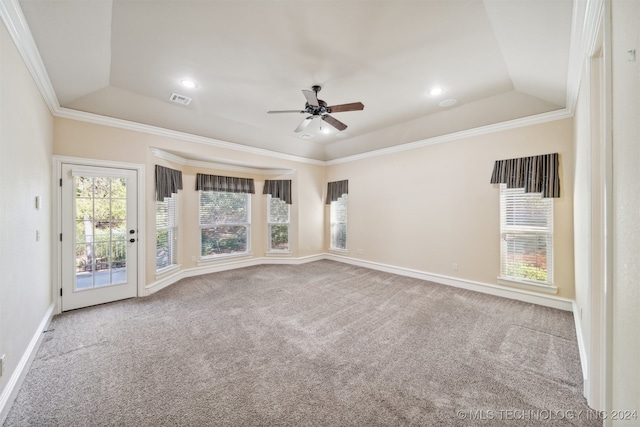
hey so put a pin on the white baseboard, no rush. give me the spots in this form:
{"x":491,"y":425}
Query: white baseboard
{"x":11,"y":390}
{"x":214,"y":268}
{"x":581,"y":348}
{"x":485,"y":288}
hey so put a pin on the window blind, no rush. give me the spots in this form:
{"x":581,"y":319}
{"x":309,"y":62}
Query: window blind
{"x":526,"y":228}
{"x":166,"y":233}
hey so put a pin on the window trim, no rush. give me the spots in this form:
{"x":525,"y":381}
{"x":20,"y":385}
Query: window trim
{"x":270,"y":249}
{"x":529,"y":284}
{"x":247,"y":225}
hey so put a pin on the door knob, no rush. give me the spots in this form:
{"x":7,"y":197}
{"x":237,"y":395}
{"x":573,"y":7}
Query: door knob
{"x":132,"y":240}
{"x":132,"y":231}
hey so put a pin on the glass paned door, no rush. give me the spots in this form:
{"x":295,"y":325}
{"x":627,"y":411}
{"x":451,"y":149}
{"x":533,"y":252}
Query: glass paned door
{"x":101,"y":246}
{"x":99,"y":238}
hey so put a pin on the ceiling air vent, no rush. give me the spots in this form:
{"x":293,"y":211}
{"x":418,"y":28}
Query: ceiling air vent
{"x":306,"y":136}
{"x":180,"y":99}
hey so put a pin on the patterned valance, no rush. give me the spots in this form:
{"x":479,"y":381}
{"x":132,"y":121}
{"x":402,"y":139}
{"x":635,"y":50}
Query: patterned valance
{"x":168,"y":182}
{"x":224,"y":183}
{"x":536,"y":174}
{"x":336,"y":189}
{"x":278,"y":188}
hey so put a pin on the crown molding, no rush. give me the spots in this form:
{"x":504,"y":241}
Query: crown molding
{"x":18,"y":29}
{"x":587,"y":16}
{"x":82,"y":116}
{"x":227,"y":165}
{"x":483,"y":130}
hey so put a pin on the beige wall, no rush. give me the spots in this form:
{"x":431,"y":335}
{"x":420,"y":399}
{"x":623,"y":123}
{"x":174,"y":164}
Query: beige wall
{"x":427,"y":208}
{"x":85,"y":140}
{"x":26,"y":140}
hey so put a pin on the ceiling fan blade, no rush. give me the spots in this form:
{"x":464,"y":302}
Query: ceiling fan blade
{"x":334,"y":122}
{"x":354,"y":106}
{"x":304,"y":124}
{"x":284,"y":111}
{"x":312,"y":97}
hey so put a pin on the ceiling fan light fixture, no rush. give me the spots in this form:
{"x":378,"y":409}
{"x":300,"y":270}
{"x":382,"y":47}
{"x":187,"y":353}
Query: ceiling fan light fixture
{"x":188,"y":83}
{"x":447,"y":102}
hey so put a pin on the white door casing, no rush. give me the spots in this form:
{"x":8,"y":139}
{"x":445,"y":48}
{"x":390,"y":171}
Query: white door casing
{"x":99,"y":224}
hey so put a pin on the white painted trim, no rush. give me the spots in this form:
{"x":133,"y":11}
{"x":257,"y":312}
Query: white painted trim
{"x":198,"y":271}
{"x":577,"y":318}
{"x":483,"y":130}
{"x":57,"y":218}
{"x":13,"y":385}
{"x":82,"y":116}
{"x":485,"y":288}
{"x":516,"y":294}
{"x":16,"y":24}
{"x":224,"y":164}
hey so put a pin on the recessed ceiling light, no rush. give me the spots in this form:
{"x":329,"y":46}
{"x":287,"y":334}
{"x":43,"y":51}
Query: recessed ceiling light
{"x":436,"y":91}
{"x":188,"y":83}
{"x":447,"y":102}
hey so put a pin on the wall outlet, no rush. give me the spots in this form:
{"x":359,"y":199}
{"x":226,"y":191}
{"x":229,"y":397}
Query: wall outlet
{"x":360,"y":251}
{"x":2,"y":364}
{"x":193,"y":259}
{"x":455,"y":266}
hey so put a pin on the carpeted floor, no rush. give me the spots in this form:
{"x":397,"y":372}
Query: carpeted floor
{"x":321,"y":344}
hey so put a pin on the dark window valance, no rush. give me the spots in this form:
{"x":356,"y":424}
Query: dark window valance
{"x":224,"y":183}
{"x":336,"y":189}
{"x":536,"y":174}
{"x":278,"y":188}
{"x":168,"y":182}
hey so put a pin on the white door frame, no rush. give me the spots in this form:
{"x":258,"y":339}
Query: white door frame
{"x":57,"y":220}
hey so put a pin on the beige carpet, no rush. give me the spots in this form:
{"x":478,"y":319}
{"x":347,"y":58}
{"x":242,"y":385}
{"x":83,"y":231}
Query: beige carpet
{"x":321,"y":344}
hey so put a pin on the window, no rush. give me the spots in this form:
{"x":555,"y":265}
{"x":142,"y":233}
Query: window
{"x":278,"y":224}
{"x":224,"y":223}
{"x":166,"y":233}
{"x":526,"y":228}
{"x":338,"y":220}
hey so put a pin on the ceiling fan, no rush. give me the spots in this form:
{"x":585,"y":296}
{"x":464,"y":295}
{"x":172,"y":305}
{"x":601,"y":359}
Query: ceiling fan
{"x":318,"y":108}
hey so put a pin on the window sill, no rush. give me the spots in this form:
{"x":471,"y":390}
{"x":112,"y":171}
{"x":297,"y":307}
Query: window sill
{"x":529,"y":286}
{"x":220,"y":258}
{"x":338,"y":251}
{"x":167,"y":270}
{"x":277,"y":253}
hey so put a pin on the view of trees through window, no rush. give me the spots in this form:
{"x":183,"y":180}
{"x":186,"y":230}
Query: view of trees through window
{"x":166,"y":233}
{"x":278,"y":224}
{"x":100,"y":212}
{"x":338,"y":219}
{"x":224,"y":223}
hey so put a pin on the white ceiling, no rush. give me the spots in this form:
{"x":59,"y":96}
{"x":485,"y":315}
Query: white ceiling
{"x":501,"y":60}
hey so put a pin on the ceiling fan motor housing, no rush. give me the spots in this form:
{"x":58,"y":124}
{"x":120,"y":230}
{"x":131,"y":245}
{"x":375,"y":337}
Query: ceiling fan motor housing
{"x":318,"y":110}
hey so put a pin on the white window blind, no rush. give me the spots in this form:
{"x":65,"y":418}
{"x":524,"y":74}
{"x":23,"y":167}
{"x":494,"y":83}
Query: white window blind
{"x":526,"y":228}
{"x":338,"y":222}
{"x":224,"y":223}
{"x":166,"y":233}
{"x":278,"y":224}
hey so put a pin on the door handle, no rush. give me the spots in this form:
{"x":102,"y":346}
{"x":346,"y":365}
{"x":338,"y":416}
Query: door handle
{"x":132,"y":231}
{"x":132,"y":240}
